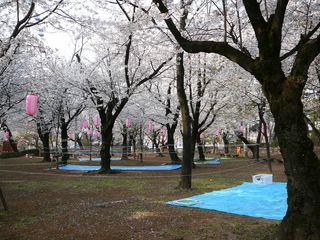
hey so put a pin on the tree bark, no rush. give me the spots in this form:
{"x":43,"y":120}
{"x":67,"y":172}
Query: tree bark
{"x":106,"y":141}
{"x":250,"y":145}
{"x":46,"y":147}
{"x":226,"y":143}
{"x":124,"y":155}
{"x":202,"y":157}
{"x":187,"y":159}
{"x":170,"y":142}
{"x":302,"y":168}
{"x":64,"y":141}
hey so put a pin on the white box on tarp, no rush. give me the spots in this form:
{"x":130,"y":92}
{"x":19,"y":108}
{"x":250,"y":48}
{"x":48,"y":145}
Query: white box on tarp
{"x":262,"y":179}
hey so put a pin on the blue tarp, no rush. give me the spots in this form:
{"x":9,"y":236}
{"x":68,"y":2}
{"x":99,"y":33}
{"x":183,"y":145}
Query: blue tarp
{"x":99,"y":159}
{"x":256,"y":200}
{"x":212,"y":161}
{"x":130,"y":168}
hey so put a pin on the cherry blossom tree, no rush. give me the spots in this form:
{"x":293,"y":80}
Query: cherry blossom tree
{"x":274,"y":35}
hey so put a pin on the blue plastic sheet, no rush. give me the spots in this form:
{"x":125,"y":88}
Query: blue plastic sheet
{"x":99,"y":159}
{"x":256,"y":200}
{"x":129,"y":168}
{"x":212,"y":161}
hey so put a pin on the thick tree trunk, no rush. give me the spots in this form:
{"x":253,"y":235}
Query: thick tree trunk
{"x":302,"y":166}
{"x":172,"y":152}
{"x":64,"y":142}
{"x":105,"y":151}
{"x":202,"y":157}
{"x":187,"y":160}
{"x":46,"y":146}
{"x":226,"y":143}
{"x":44,"y":136}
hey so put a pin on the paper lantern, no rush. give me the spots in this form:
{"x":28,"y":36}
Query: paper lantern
{"x":31,"y":104}
{"x":96,"y":134}
{"x":90,"y":132}
{"x":84,"y":124}
{"x":150,"y":127}
{"x":163,"y":132}
{"x":6,"y":135}
{"x":71,"y":136}
{"x":97,"y":121}
{"x":242,"y":128}
{"x":128,"y":123}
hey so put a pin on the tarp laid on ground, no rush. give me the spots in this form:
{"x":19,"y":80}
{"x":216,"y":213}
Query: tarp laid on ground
{"x":212,"y":161}
{"x":256,"y":200}
{"x":124,"y":168}
{"x":99,"y":159}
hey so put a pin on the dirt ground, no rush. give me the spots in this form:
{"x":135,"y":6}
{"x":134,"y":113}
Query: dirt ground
{"x":56,"y":204}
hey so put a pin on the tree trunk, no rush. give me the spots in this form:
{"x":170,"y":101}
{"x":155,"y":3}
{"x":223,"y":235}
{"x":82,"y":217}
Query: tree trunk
{"x":64,"y":141}
{"x":105,"y":151}
{"x":46,"y":146}
{"x":250,"y":145}
{"x":312,"y":125}
{"x":302,"y":166}
{"x":44,"y":136}
{"x":202,"y":157}
{"x":170,"y":142}
{"x":78,"y":140}
{"x":124,"y":143}
{"x":187,"y":159}
{"x":226,"y":143}
{"x":266,"y":138}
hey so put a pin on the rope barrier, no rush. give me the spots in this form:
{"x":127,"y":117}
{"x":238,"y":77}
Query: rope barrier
{"x":129,"y":177}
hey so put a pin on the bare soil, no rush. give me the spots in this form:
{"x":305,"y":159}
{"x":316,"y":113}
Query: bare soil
{"x":56,"y":204}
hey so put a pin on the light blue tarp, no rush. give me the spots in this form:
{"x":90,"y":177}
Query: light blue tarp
{"x":212,"y":161}
{"x":256,"y":200}
{"x":99,"y":159}
{"x":130,"y":168}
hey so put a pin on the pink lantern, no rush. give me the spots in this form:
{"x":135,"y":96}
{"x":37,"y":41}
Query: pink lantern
{"x":150,"y":127}
{"x":31,"y":104}
{"x":242,"y":128}
{"x":96,"y":134}
{"x":90,"y":132}
{"x":163,"y":132}
{"x":71,"y":136}
{"x":128,"y":123}
{"x":84,"y":124}
{"x":6,"y":135}
{"x":97,"y":121}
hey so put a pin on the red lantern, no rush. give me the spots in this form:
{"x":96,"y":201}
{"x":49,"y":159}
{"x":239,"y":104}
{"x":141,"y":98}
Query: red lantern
{"x":97,"y":121}
{"x":84,"y":124}
{"x":151,"y":127}
{"x":128,"y":123}
{"x":31,"y":104}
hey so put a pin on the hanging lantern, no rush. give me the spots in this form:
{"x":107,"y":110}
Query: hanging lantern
{"x":150,"y":127}
{"x":32,"y":104}
{"x":6,"y":135}
{"x":163,"y":132}
{"x":71,"y":136}
{"x":90,"y":132}
{"x":128,"y":123}
{"x":84,"y":124}
{"x":242,"y":128}
{"x":97,"y":121}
